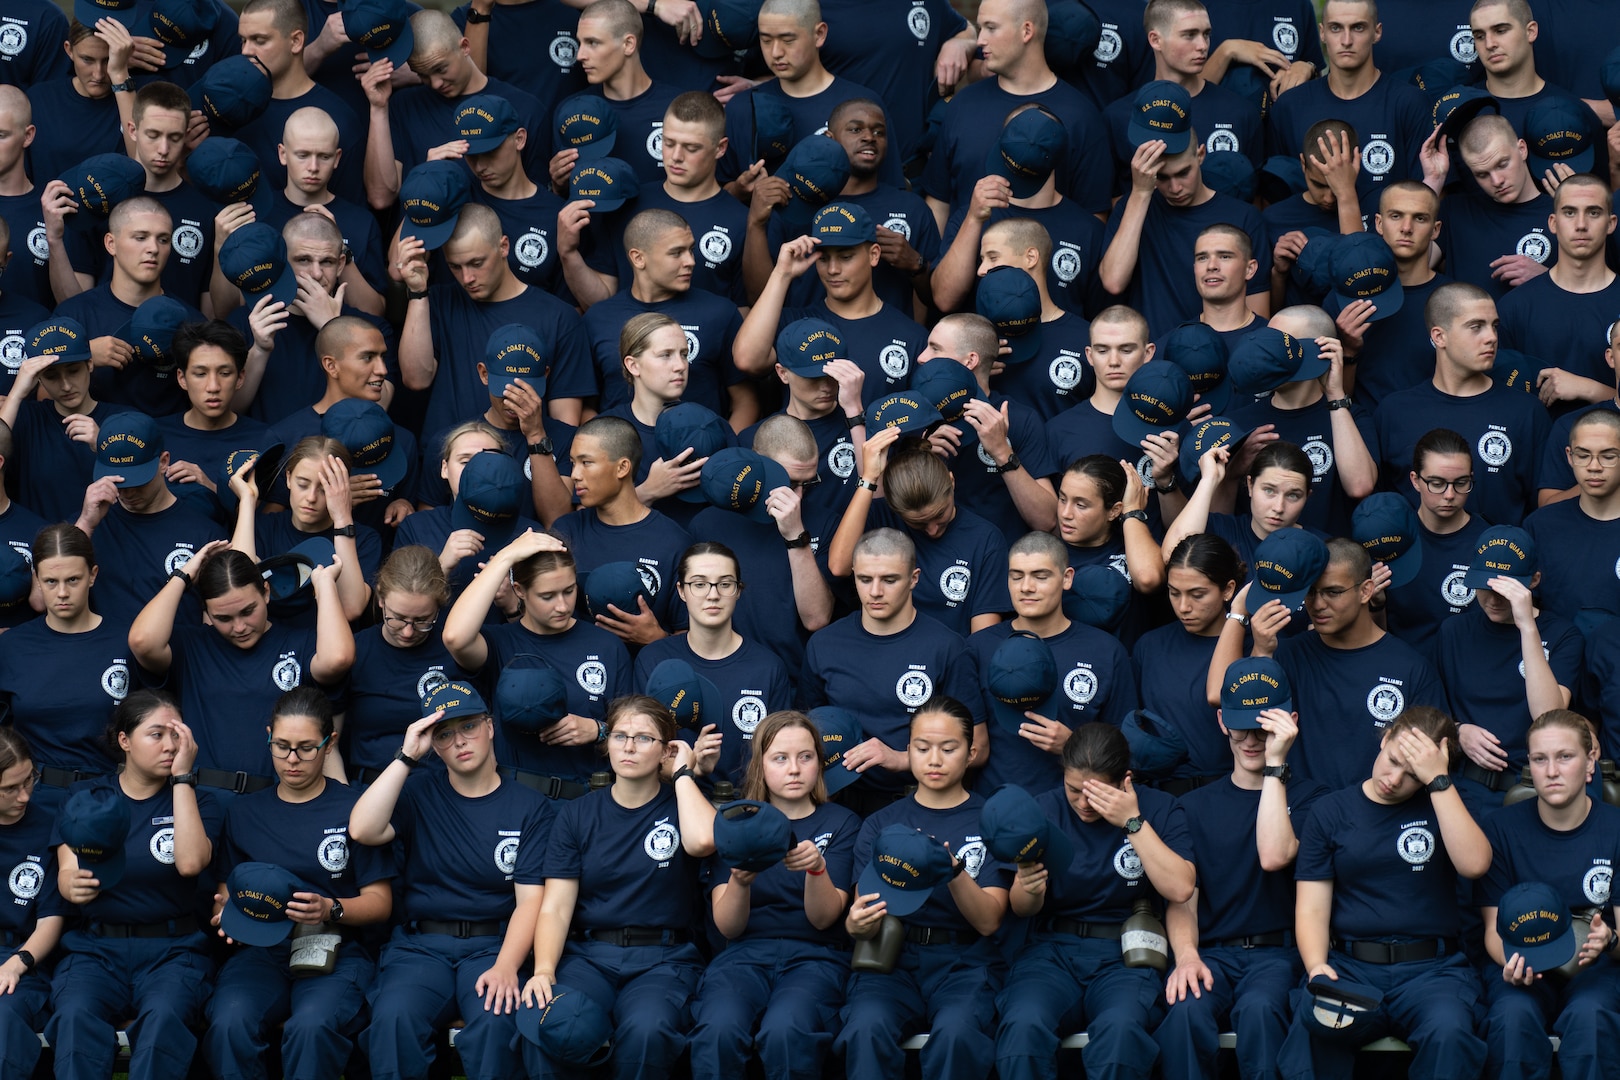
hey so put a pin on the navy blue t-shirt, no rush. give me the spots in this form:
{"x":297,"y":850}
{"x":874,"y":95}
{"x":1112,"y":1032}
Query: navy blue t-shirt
{"x":1396,"y":353}
{"x":1416,"y":610}
{"x":28,"y":274}
{"x":885,"y":346}
{"x":308,"y":839}
{"x":889,"y":208}
{"x":1579,"y":863}
{"x":1553,"y":473}
{"x":654,"y":544}
{"x":1564,"y":329}
{"x":752,"y":684}
{"x":719,"y":225}
{"x":18,"y":527}
{"x":1058,"y":376}
{"x":640,"y":120}
{"x":137,"y":552}
{"x":1573,"y":41}
{"x":275,"y":534}
{"x":530,"y":227}
{"x":810,"y":116}
{"x":518,"y":33}
{"x":191,"y":252}
{"x":209,"y":449}
{"x":293,"y":377}
{"x":1311,"y":429}
{"x":59,"y":691}
{"x":1106,"y":878}
{"x":1077,"y":251}
{"x":431,"y":528}
{"x":359,"y":227}
{"x":1579,"y":571}
{"x":384,"y":692}
{"x":141,"y":387}
{"x":629,"y":863}
{"x":1122,"y":60}
{"x":1226,"y":122}
{"x":464,"y":856}
{"x":33,"y":52}
{"x":957,"y":827}
{"x":1391,"y":118}
{"x":1479,"y":230}
{"x":1172,"y":667}
{"x":964,"y":570}
{"x":1415,"y":34}
{"x":711,"y":323}
{"x":26,"y":849}
{"x":776,"y":898}
{"x":1289,"y":26}
{"x":420,"y":119}
{"x":75,"y":128}
{"x":18,"y":315}
{"x":50,"y":471}
{"x":263,"y":137}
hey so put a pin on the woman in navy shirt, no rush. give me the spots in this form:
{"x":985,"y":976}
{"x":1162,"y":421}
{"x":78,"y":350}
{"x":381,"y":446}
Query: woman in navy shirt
{"x":397,"y":663}
{"x":138,"y":947}
{"x":230,"y":670}
{"x":1172,"y":662}
{"x":1102,"y":517}
{"x":62,"y":676}
{"x":620,"y":906}
{"x":1566,"y":839}
{"x":317,"y":472}
{"x":300,"y":825}
{"x":751,"y":680}
{"x":780,"y":980}
{"x":1278,"y":484}
{"x":949,"y":968}
{"x":536,"y":574}
{"x":31,"y":925}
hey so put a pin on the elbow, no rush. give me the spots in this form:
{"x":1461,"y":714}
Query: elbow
{"x":1474,"y":867}
{"x":1180,"y":890}
{"x":1273,"y":861}
{"x":1359,"y":487}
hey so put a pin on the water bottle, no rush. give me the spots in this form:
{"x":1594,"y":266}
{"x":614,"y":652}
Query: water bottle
{"x":1610,"y":773}
{"x":724,"y":792}
{"x":1580,"y":924}
{"x":1521,"y":791}
{"x":601,"y":780}
{"x":314,"y":951}
{"x":1143,"y":942}
{"x":881,"y":951}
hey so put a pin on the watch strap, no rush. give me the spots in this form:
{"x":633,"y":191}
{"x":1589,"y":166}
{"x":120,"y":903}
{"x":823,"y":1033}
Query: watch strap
{"x":1339,"y":403}
{"x":476,"y":16}
{"x":1012,"y":464}
{"x":410,"y":762}
{"x":409,"y":295}
{"x":544,"y":447}
{"x":1135,"y":515}
{"x":853,"y":422}
{"x":1281,"y":772}
{"x":800,"y":541}
{"x":1241,"y":620}
{"x":1133,"y":825}
{"x":347,"y":530}
{"x":179,"y":572}
{"x":337,"y":910}
{"x":684,"y":770}
{"x":184,"y":778}
{"x":869,"y":485}
{"x":125,"y":87}
{"x":1439,"y":783}
{"x":27,"y":958}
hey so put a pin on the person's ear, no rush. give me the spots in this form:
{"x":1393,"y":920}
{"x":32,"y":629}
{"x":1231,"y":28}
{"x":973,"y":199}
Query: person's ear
{"x":1535,"y":580}
{"x":1219,"y":719}
{"x":483,"y":373}
{"x":520,"y":138}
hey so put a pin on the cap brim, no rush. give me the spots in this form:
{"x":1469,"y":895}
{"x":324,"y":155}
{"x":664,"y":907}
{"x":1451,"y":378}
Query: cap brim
{"x":434,"y":237}
{"x":1481,"y":579}
{"x":245,"y":931}
{"x":1249,"y":719}
{"x":88,"y":14}
{"x":486,"y":144}
{"x":1314,"y":366}
{"x":1011,"y":717}
{"x":1549,"y":957}
{"x":1293,"y":600}
{"x":1385,"y":304}
{"x":596,"y":149}
{"x":1403,"y":570}
{"x":390,"y":471}
{"x":1581,"y":162}
{"x":899,"y":902}
{"x":496,"y":535}
{"x":1217,"y":397}
{"x":802,"y":370}
{"x":133,"y":476}
{"x":1133,"y":429}
{"x":1023,"y":187}
{"x":836,"y":777}
{"x":1025,"y":347}
{"x":1175,"y":142}
{"x":499,"y":383}
{"x":108,"y":873}
{"x":1059,"y":853}
{"x":1463,"y":115}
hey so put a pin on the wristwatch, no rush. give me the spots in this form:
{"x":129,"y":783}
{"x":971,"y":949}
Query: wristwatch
{"x":1241,"y":620}
{"x":1339,"y":403}
{"x":337,"y":905}
{"x":1133,"y":825}
{"x":410,"y":762}
{"x":27,"y":958}
{"x":684,"y":770}
{"x":1135,"y":515}
{"x":344,"y":530}
{"x":1283,"y":772}
{"x":124,"y":87}
{"x":179,"y":572}
{"x":184,"y":778}
{"x":476,"y":16}
{"x":601,"y":732}
{"x":1439,"y":783}
{"x":853,"y":422}
{"x":1012,"y":464}
{"x":869,"y":485}
{"x":800,"y":541}
{"x":409,"y":295}
{"x":544,"y":447}
{"x":958,"y":864}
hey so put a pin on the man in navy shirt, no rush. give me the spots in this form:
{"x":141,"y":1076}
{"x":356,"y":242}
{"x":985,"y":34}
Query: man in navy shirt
{"x":610,"y":37}
{"x":1498,"y":236}
{"x":1393,"y":352}
{"x":1121,"y":61}
{"x":506,"y":40}
{"x":210,"y":360}
{"x":1578,"y":538}
{"x":1152,"y":231}
{"x":37,"y":52}
{"x":1564,"y":315}
{"x":1012,"y":36}
{"x":1555,"y":480}
{"x":27,"y":270}
{"x":1417,"y":34}
{"x":1331,"y":165}
{"x":823,"y":391}
{"x":1223,"y":266}
{"x":1265,"y":47}
{"x":85,"y":115}
{"x":55,"y":437}
{"x":1506,"y":425}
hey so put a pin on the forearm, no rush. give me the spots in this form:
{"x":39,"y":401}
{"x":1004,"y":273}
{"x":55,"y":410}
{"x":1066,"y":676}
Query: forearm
{"x":1228,"y":650}
{"x":757,"y":261}
{"x":1142,"y":558}
{"x":588,"y":286}
{"x":149,"y":634}
{"x":1311,"y":912}
{"x":811,"y":595}
{"x":360,"y":294}
{"x":731,"y":903}
{"x":550,"y":934}
{"x":370,"y":820}
{"x":1024,"y":904}
{"x":823,"y":903}
{"x":1358,"y":472}
{"x":696,"y":816}
{"x":192,"y":848}
{"x":1273,"y":829}
{"x":1171,"y":875}
{"x":372,"y":906}
{"x":352,"y":589}
{"x":982,"y":908}
{"x":226,"y":297}
{"x":65,"y":282}
{"x":1035,"y":501}
{"x":520,"y":929}
{"x":1181,"y":927}
{"x":958,"y":270}
{"x":47,"y":934}
{"x":463,"y":627}
{"x":252,"y":376}
{"x":550,"y":492}
{"x":1465,"y":842}
{"x":744,"y":407}
{"x":1119,"y":261}
{"x":841,"y":553}
{"x":380,"y":172}
{"x":417,"y":362}
{"x":756,"y":339}
{"x":334,"y":641}
{"x":243,"y":537}
{"x":1192,"y":520}
{"x":1541,"y":689}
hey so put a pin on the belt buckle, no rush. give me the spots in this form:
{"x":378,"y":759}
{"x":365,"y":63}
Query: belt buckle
{"x":1247,"y":943}
{"x":553,"y":787}
{"x":240,"y":787}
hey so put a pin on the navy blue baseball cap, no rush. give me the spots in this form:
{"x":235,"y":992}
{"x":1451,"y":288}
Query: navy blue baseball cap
{"x":490,"y":498}
{"x":841,"y":731}
{"x":619,"y":584}
{"x":906,"y":411}
{"x":773,"y":129}
{"x":1157,"y":746}
{"x":65,"y":339}
{"x":1230,"y":173}
{"x":227,"y":171}
{"x":691,"y":698}
{"x":367,"y":432}
{"x":1157,"y":399}
{"x":382,"y":28}
{"x":741,"y":480}
{"x":89,"y":12}
{"x":1250,"y":687}
{"x":457,"y":699}
{"x":515,"y":351}
{"x":1269,"y":358}
{"x":1363,"y":268}
{"x":729,"y":27}
{"x":1387,"y":526}
{"x":1342,"y":1011}
{"x":1204,"y":436}
{"x":288,"y":574}
{"x":1021,"y":677}
{"x":1609,"y":76}
{"x":232,"y":94}
{"x":1281,"y":176}
{"x":688,"y":425}
{"x":94,"y":823}
{"x":1286,"y":565}
{"x":607,"y":182}
{"x":587,"y":123}
{"x":816,"y":170}
{"x":1533,"y":921}
{"x":530,"y":695}
{"x":1556,"y":133}
{"x":1503,"y":551}
{"x":266,"y":460}
{"x":1009,"y":298}
{"x":179,"y":26}
{"x":805,"y":346}
{"x":1198,"y":349}
{"x":1072,"y":32}
{"x":430,"y":200}
{"x":16,"y":581}
{"x":1435,"y":77}
{"x":906,"y":866}
{"x":751,"y":835}
{"x":1311,"y":267}
{"x":946,"y":385}
{"x":150,"y":331}
{"x":1016,"y":830}
{"x":130,"y":446}
{"x":100,"y":183}
{"x":1161,"y":110}
{"x":1516,"y":370}
{"x":256,"y":913}
{"x":1027,"y":151}
{"x":254,"y":259}
{"x":842,"y":224}
{"x":1457,"y":107}
{"x":484,"y":121}
{"x":1097,"y":596}
{"x":570,"y":1029}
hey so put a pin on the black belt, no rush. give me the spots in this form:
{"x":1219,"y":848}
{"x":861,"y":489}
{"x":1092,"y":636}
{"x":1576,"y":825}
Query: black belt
{"x":186,"y":924}
{"x":1276,"y":939}
{"x":633,"y":937}
{"x":457,"y":929}
{"x":366,"y":776}
{"x":1396,"y":952}
{"x":242,"y":783}
{"x":1076,"y":928}
{"x":552,"y":787}
{"x":1495,"y":781}
{"x":939,"y":935}
{"x":65,"y":777}
{"x":1181,"y":785}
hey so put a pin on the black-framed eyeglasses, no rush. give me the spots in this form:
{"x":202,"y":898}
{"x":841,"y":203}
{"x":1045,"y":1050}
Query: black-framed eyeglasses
{"x":11,"y":791}
{"x":725,"y":586}
{"x":1438,"y":484}
{"x":641,"y":742}
{"x":282,"y":750}
{"x":801,"y":485}
{"x":420,"y":625}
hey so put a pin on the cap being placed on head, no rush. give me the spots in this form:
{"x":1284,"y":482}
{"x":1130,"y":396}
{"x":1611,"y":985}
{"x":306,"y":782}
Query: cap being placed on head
{"x":773,"y":129}
{"x":1021,"y":677}
{"x":570,"y":1029}
{"x":1157,"y":399}
{"x":179,"y":26}
{"x":690,"y":426}
{"x":1533,"y":921}
{"x":1387,"y":526}
{"x":233,"y":93}
{"x":1229,"y":173}
{"x":490,"y":498}
{"x":367,"y":431}
{"x":946,"y":385}
{"x":456,"y":699}
{"x":430,"y":199}
{"x":907,"y":411}
{"x":1269,"y":358}
{"x":906,"y":865}
{"x":484,"y":121}
{"x":1204,"y":436}
{"x":1016,"y":830}
{"x":1162,"y":110}
{"x":842,"y":224}
{"x":1457,"y":107}
{"x":1286,"y":565}
{"x":840,"y":732}
{"x":742,"y":480}
{"x":254,"y":259}
{"x":1556,"y":133}
{"x":130,"y":447}
{"x":64,"y":339}
{"x":288,"y":575}
{"x":515,"y":351}
{"x":94,"y":823}
{"x":1503,"y":551}
{"x":256,"y":913}
{"x":806,"y":346}
{"x":1009,"y":298}
{"x":89,"y":12}
{"x":227,"y":171}
{"x":531,"y":695}
{"x":1250,"y":687}
{"x":620,"y":584}
{"x":1364,"y":268}
{"x":1098,"y":597}
{"x":382,"y":28}
{"x":751,"y":836}
{"x":587,"y":123}
{"x":1517,"y":371}
{"x":1198,"y":349}
{"x":1027,"y":151}
{"x":692,"y":699}
{"x":816,"y":170}
{"x":1072,"y":35}
{"x":608,"y":182}
{"x":100,"y":183}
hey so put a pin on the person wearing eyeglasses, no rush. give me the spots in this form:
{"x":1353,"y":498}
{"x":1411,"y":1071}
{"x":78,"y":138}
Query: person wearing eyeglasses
{"x":30,"y":926}
{"x":751,"y":680}
{"x":621,"y":899}
{"x":397,"y":663}
{"x":300,"y":825}
{"x":471,"y":847}
{"x":1443,"y":477}
{"x":1578,"y":537}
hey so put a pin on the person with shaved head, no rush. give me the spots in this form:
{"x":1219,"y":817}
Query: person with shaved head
{"x":28,"y":273}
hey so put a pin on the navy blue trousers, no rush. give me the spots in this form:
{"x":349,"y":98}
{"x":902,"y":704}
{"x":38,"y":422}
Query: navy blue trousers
{"x":425,"y":981}
{"x":771,"y":995}
{"x":1251,"y":993}
{"x":1584,"y":1012}
{"x":944,"y":989}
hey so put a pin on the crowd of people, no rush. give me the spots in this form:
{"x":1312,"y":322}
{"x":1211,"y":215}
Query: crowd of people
{"x":724,"y":535}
